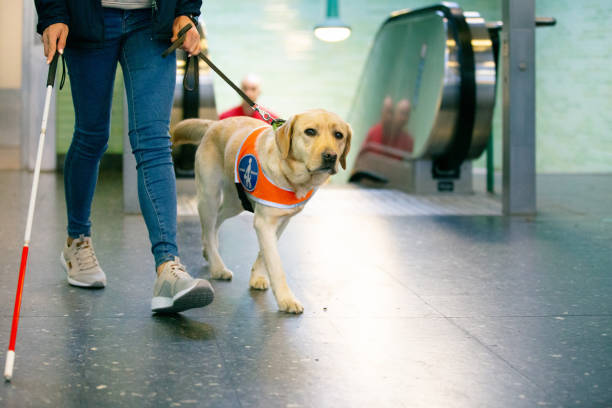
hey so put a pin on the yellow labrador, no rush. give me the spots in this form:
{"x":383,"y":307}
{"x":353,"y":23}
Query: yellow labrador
{"x":299,"y":156}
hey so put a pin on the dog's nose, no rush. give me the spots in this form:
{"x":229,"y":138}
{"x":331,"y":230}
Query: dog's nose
{"x":329,"y":158}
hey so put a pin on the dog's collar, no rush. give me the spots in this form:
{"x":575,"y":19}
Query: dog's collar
{"x":276,"y":123}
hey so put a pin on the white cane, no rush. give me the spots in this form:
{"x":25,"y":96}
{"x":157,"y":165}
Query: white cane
{"x":10,"y":356}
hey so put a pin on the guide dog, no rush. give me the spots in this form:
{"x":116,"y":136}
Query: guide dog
{"x":278,"y":175}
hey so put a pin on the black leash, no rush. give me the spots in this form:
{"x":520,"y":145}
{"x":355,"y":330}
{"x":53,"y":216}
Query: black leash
{"x":181,"y":38}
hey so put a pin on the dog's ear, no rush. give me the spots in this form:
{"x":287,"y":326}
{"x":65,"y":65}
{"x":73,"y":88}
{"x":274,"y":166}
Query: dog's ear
{"x":347,"y":147}
{"x":284,"y":135}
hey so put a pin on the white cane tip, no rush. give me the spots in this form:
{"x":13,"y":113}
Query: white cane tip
{"x":8,"y":368}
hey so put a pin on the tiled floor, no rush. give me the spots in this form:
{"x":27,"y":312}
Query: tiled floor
{"x":401,"y":310}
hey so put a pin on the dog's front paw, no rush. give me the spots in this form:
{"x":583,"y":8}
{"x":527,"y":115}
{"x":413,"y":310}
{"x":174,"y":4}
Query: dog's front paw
{"x":259,"y":282}
{"x":224,"y":274}
{"x":290,"y":305}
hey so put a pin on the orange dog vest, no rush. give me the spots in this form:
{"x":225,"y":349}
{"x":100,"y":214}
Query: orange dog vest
{"x":249,"y":175}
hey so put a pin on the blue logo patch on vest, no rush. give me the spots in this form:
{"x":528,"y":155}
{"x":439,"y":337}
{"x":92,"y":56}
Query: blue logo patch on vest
{"x":248,"y":172}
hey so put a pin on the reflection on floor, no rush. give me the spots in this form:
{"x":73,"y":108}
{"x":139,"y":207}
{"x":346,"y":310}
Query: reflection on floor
{"x":365,"y":202}
{"x":400,"y":310}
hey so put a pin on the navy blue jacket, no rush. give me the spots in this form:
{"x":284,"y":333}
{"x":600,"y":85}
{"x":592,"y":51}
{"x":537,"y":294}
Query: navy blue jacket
{"x":85,"y":19}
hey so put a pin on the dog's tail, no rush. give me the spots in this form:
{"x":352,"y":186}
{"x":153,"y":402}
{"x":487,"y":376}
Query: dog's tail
{"x":190,"y":131}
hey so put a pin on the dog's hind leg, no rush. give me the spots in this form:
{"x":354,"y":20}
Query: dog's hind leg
{"x":210,"y":217}
{"x":209,"y":182}
{"x":230,"y":207}
{"x":259,"y":273}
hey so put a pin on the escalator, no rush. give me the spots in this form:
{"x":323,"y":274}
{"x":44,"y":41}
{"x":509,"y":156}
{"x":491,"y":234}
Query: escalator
{"x":424,"y":106}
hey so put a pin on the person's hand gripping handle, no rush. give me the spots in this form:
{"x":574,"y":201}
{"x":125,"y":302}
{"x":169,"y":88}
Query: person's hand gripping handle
{"x":54,"y":39}
{"x":180,"y":38}
{"x":191,"y":41}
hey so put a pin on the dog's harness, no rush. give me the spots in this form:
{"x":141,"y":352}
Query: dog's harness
{"x":251,"y":181}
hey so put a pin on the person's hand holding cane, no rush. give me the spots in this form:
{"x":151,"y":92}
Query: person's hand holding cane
{"x":54,"y":38}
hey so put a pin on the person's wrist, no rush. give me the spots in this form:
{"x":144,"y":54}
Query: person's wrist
{"x":191,"y":18}
{"x":194,"y":19}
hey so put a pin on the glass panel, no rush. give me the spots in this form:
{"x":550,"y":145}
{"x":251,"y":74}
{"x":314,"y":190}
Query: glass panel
{"x":396,"y":104}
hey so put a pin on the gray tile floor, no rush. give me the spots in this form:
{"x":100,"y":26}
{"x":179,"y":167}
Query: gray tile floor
{"x":400,"y":310}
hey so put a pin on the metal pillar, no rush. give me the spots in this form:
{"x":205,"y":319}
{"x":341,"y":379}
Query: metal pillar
{"x":33,"y":89}
{"x":518,"y":56}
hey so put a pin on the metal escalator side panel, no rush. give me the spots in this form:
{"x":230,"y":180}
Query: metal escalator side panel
{"x":198,"y":102}
{"x":484,"y":62}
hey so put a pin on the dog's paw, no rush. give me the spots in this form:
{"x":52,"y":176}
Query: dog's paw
{"x":290,"y":305}
{"x":259,"y":282}
{"x":224,"y":274}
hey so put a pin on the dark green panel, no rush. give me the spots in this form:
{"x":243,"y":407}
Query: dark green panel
{"x":65,"y":117}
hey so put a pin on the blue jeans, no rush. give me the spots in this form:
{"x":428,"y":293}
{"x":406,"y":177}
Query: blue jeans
{"x":149,"y":83}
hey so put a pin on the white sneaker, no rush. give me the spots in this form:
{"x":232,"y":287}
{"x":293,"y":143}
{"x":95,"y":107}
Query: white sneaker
{"x":81,"y":264}
{"x":175,"y":290}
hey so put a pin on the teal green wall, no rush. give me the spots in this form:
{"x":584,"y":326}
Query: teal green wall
{"x":274,"y":39}
{"x":574,"y":87}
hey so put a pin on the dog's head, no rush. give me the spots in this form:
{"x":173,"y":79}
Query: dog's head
{"x":317,"y":138}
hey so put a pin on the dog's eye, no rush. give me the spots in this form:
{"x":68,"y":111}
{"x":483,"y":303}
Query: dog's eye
{"x":310,"y":132}
{"x":338,"y":135}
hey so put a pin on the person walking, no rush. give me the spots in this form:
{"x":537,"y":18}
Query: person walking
{"x":93,"y":36}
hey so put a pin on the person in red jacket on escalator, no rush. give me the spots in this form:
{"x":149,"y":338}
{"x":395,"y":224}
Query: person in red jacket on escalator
{"x":251,"y":86}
